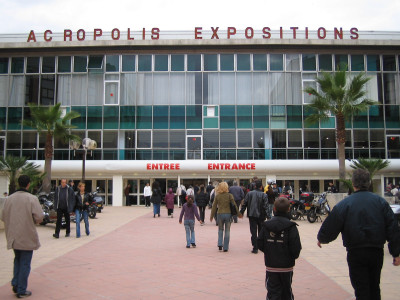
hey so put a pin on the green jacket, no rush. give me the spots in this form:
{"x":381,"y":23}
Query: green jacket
{"x":221,"y":202}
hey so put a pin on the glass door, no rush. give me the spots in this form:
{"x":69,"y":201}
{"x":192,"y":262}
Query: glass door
{"x":194,"y":147}
{"x":393,"y":146}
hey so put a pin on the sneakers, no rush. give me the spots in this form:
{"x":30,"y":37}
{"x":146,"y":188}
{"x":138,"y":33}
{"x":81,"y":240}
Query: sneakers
{"x":188,"y":247}
{"x":24,"y":295}
{"x":193,"y":245}
{"x":67,"y":235}
{"x":220,"y":248}
{"x":56,"y":236}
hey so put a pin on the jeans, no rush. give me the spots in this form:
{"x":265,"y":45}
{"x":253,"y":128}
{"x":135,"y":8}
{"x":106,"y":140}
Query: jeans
{"x":85,"y":215}
{"x":156,"y":208}
{"x":60,"y":214}
{"x":270,"y":209}
{"x":255,"y":228}
{"x":189,"y":227}
{"x":224,"y":220}
{"x":365,"y":265}
{"x":22,"y":268}
{"x":202,"y":210}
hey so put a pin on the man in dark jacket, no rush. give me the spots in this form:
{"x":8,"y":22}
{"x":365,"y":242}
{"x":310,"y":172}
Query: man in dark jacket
{"x":64,"y":203}
{"x":238,"y":195}
{"x":366,"y":222}
{"x":279,"y":239}
{"x":256,"y":203}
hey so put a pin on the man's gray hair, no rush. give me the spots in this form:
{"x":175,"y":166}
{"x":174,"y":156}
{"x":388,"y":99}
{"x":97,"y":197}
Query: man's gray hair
{"x":361,"y":179}
{"x":235,"y":183}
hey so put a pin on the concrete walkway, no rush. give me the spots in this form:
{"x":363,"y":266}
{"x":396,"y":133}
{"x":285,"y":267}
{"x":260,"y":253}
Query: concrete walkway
{"x":131,"y":255}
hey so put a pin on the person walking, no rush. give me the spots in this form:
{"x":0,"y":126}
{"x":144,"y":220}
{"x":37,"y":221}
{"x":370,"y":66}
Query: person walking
{"x":147,"y":194}
{"x":127,"y":190}
{"x":181,"y":193}
{"x":169,"y":202}
{"x":366,"y":222}
{"x":82,"y":203}
{"x":201,"y":202}
{"x":156,"y":198}
{"x":271,"y":199}
{"x":189,"y":210}
{"x":222,"y":202}
{"x":256,"y":203}
{"x":279,"y":239}
{"x":64,"y":204}
{"x":238,"y":196}
{"x":20,"y":213}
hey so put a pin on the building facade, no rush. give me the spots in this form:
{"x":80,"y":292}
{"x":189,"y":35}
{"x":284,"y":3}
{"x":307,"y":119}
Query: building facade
{"x":193,"y":107}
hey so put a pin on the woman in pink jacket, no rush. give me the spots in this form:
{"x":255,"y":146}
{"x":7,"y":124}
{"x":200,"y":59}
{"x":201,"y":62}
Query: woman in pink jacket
{"x":169,"y":201}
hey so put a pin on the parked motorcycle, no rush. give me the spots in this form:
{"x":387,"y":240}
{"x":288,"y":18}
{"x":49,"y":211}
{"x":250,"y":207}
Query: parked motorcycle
{"x":97,"y":201}
{"x":299,"y":208}
{"x":50,"y":214}
{"x":319,"y":207}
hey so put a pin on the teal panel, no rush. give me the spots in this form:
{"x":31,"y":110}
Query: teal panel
{"x":330,"y":123}
{"x":111,"y":117}
{"x":193,"y":117}
{"x":294,"y":116}
{"x":160,"y":120}
{"x":177,"y":117}
{"x":392,"y":116}
{"x":227,"y":116}
{"x":211,"y":122}
{"x":144,"y":117}
{"x":94,"y":119}
{"x":260,"y":116}
{"x":244,"y":116}
{"x":260,"y":62}
{"x":325,"y":62}
{"x":127,"y":117}
{"x":309,"y":62}
{"x":3,"y":115}
{"x":307,"y":111}
{"x":80,"y":122}
{"x":361,"y":121}
{"x":276,"y":62}
{"x":376,"y":119}
{"x":357,"y":62}
{"x":210,"y":62}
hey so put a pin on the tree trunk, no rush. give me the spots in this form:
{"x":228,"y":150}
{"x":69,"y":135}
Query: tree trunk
{"x":48,"y":156}
{"x":341,"y":140}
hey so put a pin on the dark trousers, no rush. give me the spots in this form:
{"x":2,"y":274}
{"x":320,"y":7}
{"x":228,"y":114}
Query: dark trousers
{"x":279,"y":285}
{"x":22,"y":268}
{"x":60,"y":214}
{"x":170,"y":211}
{"x":147,"y":201}
{"x":202,"y":210}
{"x":365,"y":265}
{"x":255,"y":228}
{"x":128,"y":200}
{"x":235,"y":217}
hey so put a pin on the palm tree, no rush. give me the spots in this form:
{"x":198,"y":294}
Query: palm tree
{"x":49,"y":120}
{"x":340,"y":98}
{"x":14,"y":166}
{"x":372,"y":165}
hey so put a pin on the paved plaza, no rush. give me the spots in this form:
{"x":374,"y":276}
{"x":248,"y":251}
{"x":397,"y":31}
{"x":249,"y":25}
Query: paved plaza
{"x":131,"y":255}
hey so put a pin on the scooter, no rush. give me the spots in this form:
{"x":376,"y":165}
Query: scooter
{"x":319,"y":207}
{"x":299,"y":208}
{"x":97,"y":201}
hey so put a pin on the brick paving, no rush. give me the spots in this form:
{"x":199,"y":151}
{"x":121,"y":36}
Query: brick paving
{"x":131,"y":255}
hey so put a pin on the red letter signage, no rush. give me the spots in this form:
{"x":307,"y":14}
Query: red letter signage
{"x":31,"y":36}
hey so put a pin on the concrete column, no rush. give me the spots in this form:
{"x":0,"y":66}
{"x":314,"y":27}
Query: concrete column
{"x":118,"y":190}
{"x":382,"y":187}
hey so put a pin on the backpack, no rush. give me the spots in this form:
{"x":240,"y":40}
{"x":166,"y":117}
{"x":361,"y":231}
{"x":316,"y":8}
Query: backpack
{"x":273,"y":242}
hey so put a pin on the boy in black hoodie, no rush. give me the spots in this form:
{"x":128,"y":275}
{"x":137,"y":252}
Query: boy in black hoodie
{"x":279,"y":239}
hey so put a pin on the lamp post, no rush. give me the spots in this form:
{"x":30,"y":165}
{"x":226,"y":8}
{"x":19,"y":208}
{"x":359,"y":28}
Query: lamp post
{"x":87,"y":144}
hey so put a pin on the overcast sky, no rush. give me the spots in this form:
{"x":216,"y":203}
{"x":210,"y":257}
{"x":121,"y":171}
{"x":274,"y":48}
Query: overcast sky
{"x":21,"y":16}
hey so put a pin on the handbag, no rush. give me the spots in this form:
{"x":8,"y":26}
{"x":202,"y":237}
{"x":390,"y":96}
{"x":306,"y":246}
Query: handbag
{"x":233,"y":209}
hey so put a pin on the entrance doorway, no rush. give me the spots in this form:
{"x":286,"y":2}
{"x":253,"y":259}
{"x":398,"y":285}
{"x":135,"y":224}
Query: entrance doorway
{"x":194,"y":147}
{"x":194,"y":182}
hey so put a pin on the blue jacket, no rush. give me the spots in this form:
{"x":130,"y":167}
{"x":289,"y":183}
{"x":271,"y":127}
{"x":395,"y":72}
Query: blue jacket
{"x":365,"y":220}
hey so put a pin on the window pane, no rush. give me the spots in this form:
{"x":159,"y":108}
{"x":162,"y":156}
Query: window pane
{"x":373,"y":63}
{"x":228,"y":138}
{"x":178,"y":62}
{"x":311,"y":139}
{"x":392,"y":116}
{"x":293,"y":88}
{"x":244,"y":139}
{"x":325,"y":62}
{"x":161,"y":87}
{"x":210,"y":62}
{"x":259,"y":139}
{"x":48,"y":64}
{"x":243,"y":62}
{"x":160,"y":139}
{"x":160,"y":120}
{"x":80,"y":122}
{"x":260,"y":62}
{"x":94,"y":119}
{"x":32,"y":64}
{"x":177,"y":93}
{"x":260,"y":88}
{"x":144,"y":63}
{"x":127,"y":117}
{"x":227,"y":62}
{"x":389,"y":63}
{"x":177,"y":119}
{"x":227,"y":116}
{"x":112,"y":63}
{"x":17,"y":65}
{"x":32,"y":89}
{"x":243,"y":87}
{"x":129,"y":139}
{"x":95,"y":89}
{"x":361,"y":120}
{"x":357,"y":62}
{"x":292,"y":62}
{"x":14,"y":118}
{"x":341,"y":62}
{"x":376,"y":119}
{"x":295,"y":138}
{"x":143,"y":139}
{"x":328,"y":139}
{"x":161,"y":63}
{"x":128,"y":89}
{"x":193,"y":117}
{"x":14,"y":140}
{"x":111,"y":93}
{"x":261,"y":116}
{"x":64,"y":64}
{"x":29,"y":140}
{"x":277,"y":88}
{"x":244,"y":116}
{"x":360,"y":138}
{"x":128,"y":63}
{"x":210,"y":88}
{"x":278,"y":139}
{"x":80,"y":63}
{"x":294,"y":116}
{"x":110,"y":139}
{"x":79,"y":89}
{"x":111,"y":117}
{"x":309,"y":62}
{"x":177,"y":139}
{"x":227,"y":88}
{"x":47,"y":89}
{"x":144,"y":117}
{"x":3,"y":65}
{"x":211,"y":138}
{"x":194,"y":62}
{"x":4,"y":80}
{"x":377,"y":138}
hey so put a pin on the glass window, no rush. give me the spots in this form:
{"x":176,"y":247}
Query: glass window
{"x":276,"y":62}
{"x":128,"y":63}
{"x":177,"y":94}
{"x":80,"y":63}
{"x":357,"y":62}
{"x":177,"y":139}
{"x":308,"y":98}
{"x":129,"y":139}
{"x":80,"y":122}
{"x":111,"y":92}
{"x":392,"y":116}
{"x":227,"y":62}
{"x":277,"y":88}
{"x":79,"y":88}
{"x":341,"y":62}
{"x":328,"y":139}
{"x":389,"y":62}
{"x":29,"y":140}
{"x":261,"y":116}
{"x":110,"y":139}
{"x":4,"y":98}
{"x":95,"y":62}
{"x":143,"y":139}
{"x":127,"y":117}
{"x":177,"y":117}
{"x":244,"y":139}
{"x":243,"y":62}
{"x":160,"y":120}
{"x":311,"y":139}
{"x":325,"y":62}
{"x":14,"y":118}
{"x":377,"y":138}
{"x":295,"y":139}
{"x":260,"y":138}
{"x":32,"y":64}
{"x":294,"y":116}
{"x":210,"y":62}
{"x":376,"y":119}
{"x":111,"y":117}
{"x":14,"y":140}
{"x":260,"y":88}
{"x":128,"y":89}
{"x":374,"y":87}
{"x":193,"y":88}
{"x":227,"y":116}
{"x":3,"y":65}
{"x":211,"y":139}
{"x":361,"y":120}
{"x":244,"y":87}
{"x":161,"y":87}
{"x":194,"y":62}
{"x":309,"y":62}
{"x":94,"y":118}
{"x":17,"y":65}
{"x":47,"y":89}
{"x":244,"y":116}
{"x":160,"y":139}
{"x":95,"y":89}
{"x":48,"y":64}
{"x":32,"y":89}
{"x":373,"y":63}
{"x":178,"y":62}
{"x":144,"y":117}
{"x":292,"y":62}
{"x":260,"y":62}
{"x":194,"y":117}
{"x":228,"y":138}
{"x":144,"y":63}
{"x":112,"y":63}
{"x":64,"y":64}
{"x":278,"y":138}
{"x":161,"y":62}
{"x":360,"y":138}
{"x":293,"y":88}
{"x":227,"y":88}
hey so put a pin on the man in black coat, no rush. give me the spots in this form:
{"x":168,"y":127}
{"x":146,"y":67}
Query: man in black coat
{"x":366,"y":222}
{"x":64,"y":203}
